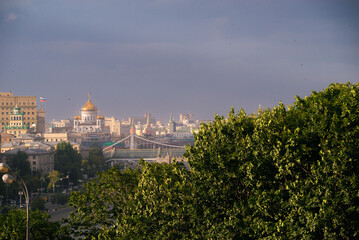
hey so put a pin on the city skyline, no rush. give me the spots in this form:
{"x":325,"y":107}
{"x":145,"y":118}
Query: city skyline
{"x":180,"y":56}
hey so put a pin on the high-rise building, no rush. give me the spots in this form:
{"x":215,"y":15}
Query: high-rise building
{"x":40,"y":120}
{"x":27,"y":104}
{"x":171,"y":125}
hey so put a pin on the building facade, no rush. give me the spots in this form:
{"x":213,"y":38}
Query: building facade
{"x":8,"y":102}
{"x":40,"y":159}
{"x":17,"y":124}
{"x":89,"y":121}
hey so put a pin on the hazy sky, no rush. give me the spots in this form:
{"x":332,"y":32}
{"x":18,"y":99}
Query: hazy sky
{"x":179,"y":56}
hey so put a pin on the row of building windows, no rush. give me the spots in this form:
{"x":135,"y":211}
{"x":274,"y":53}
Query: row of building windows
{"x":7,"y":113}
{"x":24,"y":118}
{"x":28,"y":123}
{"x":16,"y":118}
{"x":25,"y":108}
{"x":16,"y":124}
{"x":54,"y":140}
{"x":11,"y":103}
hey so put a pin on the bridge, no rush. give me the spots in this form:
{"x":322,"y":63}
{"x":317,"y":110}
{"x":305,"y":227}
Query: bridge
{"x":140,"y":147}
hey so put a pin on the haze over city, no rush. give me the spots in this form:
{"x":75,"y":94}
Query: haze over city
{"x":177,"y":56}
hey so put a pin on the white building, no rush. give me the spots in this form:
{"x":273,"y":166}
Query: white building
{"x":89,"y":121}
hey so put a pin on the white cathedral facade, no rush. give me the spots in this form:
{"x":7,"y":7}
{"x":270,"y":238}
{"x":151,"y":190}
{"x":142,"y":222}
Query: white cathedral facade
{"x":89,"y":121}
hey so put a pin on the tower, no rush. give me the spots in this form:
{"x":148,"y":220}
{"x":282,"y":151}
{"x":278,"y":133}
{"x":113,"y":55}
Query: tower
{"x":148,"y":129}
{"x":100,"y":121}
{"x":40,"y":120}
{"x":132,"y":132}
{"x":171,"y":125}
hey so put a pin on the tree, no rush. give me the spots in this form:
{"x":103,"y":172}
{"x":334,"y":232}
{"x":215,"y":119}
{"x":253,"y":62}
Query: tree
{"x":13,"y":226}
{"x":102,"y":202}
{"x":66,"y":160}
{"x":133,"y":204}
{"x":284,"y":173}
{"x":21,"y":166}
{"x":38,"y":203}
{"x":19,"y":163}
{"x":95,"y":162}
{"x":54,"y":176}
{"x":159,"y":207}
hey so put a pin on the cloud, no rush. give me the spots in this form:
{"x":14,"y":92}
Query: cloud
{"x":10,"y":17}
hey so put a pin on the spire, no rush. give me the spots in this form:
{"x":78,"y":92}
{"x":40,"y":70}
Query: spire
{"x":89,"y":96}
{"x":170,"y":117}
{"x":133,"y":130}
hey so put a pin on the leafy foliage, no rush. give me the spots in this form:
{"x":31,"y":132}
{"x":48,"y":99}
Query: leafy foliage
{"x":95,"y":163}
{"x":284,"y":173}
{"x":13,"y":226}
{"x":66,"y":160}
{"x":101,"y":203}
{"x":19,"y":163}
{"x":38,"y":203}
{"x":54,"y":177}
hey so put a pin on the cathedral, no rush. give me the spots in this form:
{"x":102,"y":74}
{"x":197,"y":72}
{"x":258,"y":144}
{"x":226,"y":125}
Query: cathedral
{"x":89,"y":121}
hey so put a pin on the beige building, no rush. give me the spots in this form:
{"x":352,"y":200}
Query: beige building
{"x":5,"y":137}
{"x":40,"y":159}
{"x":7,"y":146}
{"x":59,"y":137}
{"x":40,"y":120}
{"x":17,"y":124}
{"x":116,"y":127}
{"x":27,"y":104}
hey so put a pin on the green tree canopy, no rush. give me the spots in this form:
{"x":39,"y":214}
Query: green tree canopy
{"x":283,"y":173}
{"x":19,"y":163}
{"x":95,"y":162}
{"x":13,"y":226}
{"x":66,"y":160}
{"x":102,"y":202}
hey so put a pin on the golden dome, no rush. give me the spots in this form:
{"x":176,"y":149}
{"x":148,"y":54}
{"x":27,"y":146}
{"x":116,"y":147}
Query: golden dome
{"x":89,"y":106}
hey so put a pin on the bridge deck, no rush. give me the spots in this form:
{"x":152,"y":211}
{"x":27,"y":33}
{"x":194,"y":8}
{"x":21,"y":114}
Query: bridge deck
{"x":144,"y":153}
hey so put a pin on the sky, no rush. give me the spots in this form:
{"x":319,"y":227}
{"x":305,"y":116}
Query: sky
{"x":175,"y":56}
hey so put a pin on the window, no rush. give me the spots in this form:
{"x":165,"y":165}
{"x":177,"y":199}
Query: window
{"x":33,"y":162}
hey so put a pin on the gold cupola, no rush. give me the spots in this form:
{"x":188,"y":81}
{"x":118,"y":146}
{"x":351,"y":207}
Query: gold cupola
{"x":89,"y":106}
